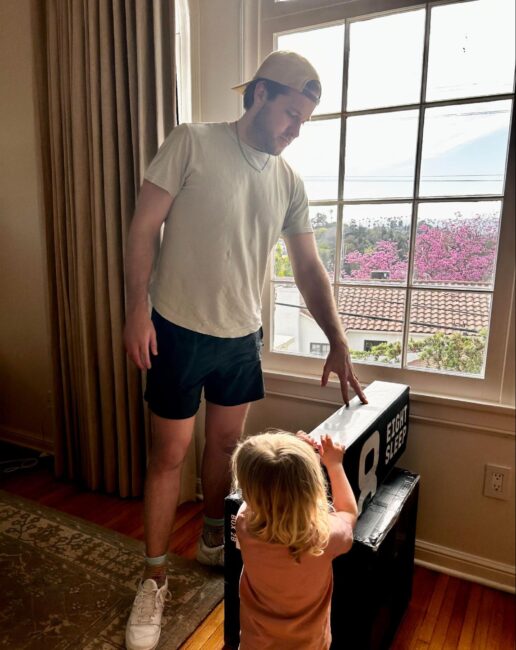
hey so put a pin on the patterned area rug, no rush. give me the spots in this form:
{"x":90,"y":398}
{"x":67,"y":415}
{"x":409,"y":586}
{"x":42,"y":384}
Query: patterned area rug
{"x":67,"y":584}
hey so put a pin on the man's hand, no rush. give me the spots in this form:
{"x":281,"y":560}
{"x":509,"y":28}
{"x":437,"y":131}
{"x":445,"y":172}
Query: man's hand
{"x":339,"y":362}
{"x":139,"y":338}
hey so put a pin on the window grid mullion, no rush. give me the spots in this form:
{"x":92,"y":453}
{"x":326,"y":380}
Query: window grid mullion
{"x":340,"y":208}
{"x":415,"y":190}
{"x":408,"y":107}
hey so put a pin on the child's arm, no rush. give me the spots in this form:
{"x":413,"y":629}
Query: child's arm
{"x":332,"y":455}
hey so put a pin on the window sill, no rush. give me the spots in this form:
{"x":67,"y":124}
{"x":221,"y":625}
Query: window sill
{"x":450,"y":412}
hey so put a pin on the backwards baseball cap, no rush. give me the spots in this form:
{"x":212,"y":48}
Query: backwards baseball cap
{"x":289,"y":69}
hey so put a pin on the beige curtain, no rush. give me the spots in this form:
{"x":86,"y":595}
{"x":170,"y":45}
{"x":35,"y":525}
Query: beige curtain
{"x":106,"y":88}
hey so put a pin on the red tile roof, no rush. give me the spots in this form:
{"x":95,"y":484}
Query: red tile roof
{"x":376,"y":309}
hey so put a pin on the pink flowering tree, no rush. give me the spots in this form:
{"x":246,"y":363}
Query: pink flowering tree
{"x":455,"y":250}
{"x":459,"y":250}
{"x":383,"y":257}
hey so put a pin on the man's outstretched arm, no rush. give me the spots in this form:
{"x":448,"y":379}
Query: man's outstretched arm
{"x":313,"y":282}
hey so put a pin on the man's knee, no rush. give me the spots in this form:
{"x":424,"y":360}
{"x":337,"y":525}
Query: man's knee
{"x":170,"y":442}
{"x":224,"y":441}
{"x":170,"y":461}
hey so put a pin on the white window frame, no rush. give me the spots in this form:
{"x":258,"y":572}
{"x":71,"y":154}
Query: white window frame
{"x":183,"y":60}
{"x":497,"y":386}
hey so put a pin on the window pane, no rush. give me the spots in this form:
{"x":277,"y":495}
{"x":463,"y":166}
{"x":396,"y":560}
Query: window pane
{"x":448,"y":331}
{"x":456,"y":243}
{"x":315,"y":155}
{"x":324,"y":223}
{"x":465,"y":149}
{"x":282,"y":266}
{"x":324,"y":48}
{"x":471,"y":49}
{"x":385,"y":61}
{"x":380,"y":155}
{"x":373,"y":321}
{"x":375,"y":243}
{"x":295,"y":330}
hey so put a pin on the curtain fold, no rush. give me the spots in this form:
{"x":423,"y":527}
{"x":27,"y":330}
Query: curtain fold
{"x":106,"y":99}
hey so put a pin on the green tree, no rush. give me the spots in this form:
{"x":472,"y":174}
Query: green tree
{"x":282,"y":266}
{"x":383,"y":352}
{"x":456,"y":352}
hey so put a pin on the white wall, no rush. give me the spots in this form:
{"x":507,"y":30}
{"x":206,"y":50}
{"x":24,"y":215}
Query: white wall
{"x":459,"y":530}
{"x":25,"y":362}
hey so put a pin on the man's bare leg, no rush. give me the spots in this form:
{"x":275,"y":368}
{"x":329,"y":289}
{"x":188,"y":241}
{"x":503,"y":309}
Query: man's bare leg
{"x":170,"y":442}
{"x":224,"y":426}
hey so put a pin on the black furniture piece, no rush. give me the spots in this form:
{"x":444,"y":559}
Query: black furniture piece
{"x":372,"y":584}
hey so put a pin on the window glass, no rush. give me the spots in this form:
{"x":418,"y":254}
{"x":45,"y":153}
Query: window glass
{"x":324,"y":48}
{"x":456,"y":244}
{"x":324,"y":223}
{"x":471,"y":49}
{"x":294,"y":328}
{"x":375,"y":243}
{"x":465,"y":149}
{"x":380,"y":155}
{"x":389,"y":73}
{"x":448,"y":331}
{"x":368,"y":312}
{"x":315,"y":155}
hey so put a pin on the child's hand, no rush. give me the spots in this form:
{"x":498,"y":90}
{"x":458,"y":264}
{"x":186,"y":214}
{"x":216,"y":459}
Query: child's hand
{"x":302,"y":435}
{"x":331,"y":452}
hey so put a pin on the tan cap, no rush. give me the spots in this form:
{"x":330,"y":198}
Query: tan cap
{"x":290,"y":69}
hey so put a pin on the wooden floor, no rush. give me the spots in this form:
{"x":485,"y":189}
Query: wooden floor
{"x":445,"y":612}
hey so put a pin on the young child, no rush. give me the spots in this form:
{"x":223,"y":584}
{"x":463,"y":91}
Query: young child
{"x":288,"y":538}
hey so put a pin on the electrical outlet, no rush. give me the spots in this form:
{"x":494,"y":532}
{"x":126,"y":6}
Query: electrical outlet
{"x":497,"y":481}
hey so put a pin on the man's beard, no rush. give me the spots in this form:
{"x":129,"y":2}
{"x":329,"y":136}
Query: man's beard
{"x":264,"y":141}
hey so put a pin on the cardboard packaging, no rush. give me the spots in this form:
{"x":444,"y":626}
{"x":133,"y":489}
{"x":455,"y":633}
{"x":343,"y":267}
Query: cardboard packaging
{"x":232,"y":571}
{"x":373,"y":582}
{"x":374,"y":435}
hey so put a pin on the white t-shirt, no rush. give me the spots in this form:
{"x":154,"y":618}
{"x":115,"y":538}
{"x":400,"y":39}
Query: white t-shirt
{"x":224,"y":222}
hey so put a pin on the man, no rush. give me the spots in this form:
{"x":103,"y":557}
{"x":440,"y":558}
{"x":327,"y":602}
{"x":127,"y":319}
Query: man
{"x":224,"y":196}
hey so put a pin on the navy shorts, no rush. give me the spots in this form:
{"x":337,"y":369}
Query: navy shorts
{"x":229,"y":370}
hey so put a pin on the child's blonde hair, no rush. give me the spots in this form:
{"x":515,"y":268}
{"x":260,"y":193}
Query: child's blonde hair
{"x":282,"y":482}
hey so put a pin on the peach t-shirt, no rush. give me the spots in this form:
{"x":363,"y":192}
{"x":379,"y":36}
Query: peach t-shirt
{"x":285,"y":605}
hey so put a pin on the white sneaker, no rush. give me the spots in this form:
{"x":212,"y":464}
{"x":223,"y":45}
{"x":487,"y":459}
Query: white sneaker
{"x":144,"y":624}
{"x":210,"y":555}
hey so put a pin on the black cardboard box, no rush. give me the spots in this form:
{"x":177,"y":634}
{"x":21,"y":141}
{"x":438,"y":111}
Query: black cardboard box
{"x":374,"y":435}
{"x":372,"y":583}
{"x":232,"y":571}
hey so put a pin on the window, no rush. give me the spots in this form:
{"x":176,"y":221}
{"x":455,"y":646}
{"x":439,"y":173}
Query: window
{"x":368,"y":344}
{"x":183,"y":65}
{"x":319,"y":349}
{"x":404,"y":162}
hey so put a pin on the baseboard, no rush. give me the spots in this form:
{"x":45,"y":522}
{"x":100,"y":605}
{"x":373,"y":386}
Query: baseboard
{"x":466,"y":566}
{"x":25,"y":439}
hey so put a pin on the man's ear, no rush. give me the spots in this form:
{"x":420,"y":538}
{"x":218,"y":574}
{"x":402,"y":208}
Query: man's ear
{"x":260,"y":93}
